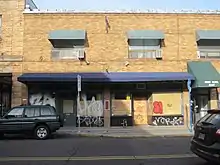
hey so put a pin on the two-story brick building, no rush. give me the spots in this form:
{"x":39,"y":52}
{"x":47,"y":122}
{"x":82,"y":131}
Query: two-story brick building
{"x":134,"y":67}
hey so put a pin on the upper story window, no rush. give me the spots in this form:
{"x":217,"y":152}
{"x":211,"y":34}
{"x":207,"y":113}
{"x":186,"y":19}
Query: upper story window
{"x":208,"y":44}
{"x":145,"y":44}
{"x":67,"y":44}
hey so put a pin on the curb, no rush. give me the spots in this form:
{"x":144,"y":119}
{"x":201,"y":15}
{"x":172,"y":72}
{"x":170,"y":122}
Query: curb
{"x":125,"y":136}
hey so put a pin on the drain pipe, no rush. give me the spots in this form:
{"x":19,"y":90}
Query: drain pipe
{"x":189,"y":82}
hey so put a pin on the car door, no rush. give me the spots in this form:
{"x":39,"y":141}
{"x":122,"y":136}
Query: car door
{"x":12,"y":121}
{"x":31,"y":116}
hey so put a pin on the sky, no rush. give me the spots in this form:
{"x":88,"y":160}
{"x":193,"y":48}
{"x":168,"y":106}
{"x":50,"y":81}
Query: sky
{"x":84,"y":5}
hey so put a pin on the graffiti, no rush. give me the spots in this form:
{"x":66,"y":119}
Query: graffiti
{"x":124,"y":123}
{"x":90,"y":121}
{"x":121,"y":121}
{"x":158,"y":107}
{"x":168,"y":120}
{"x":42,"y":99}
{"x":89,"y":112}
{"x":139,"y":119}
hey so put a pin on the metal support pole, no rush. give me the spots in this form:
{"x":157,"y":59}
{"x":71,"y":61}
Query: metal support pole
{"x":190,"y":107}
{"x":78,"y":116}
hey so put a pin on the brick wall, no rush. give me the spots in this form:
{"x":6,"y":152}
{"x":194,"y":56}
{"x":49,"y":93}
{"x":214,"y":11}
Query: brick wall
{"x":11,"y":42}
{"x":110,"y":50}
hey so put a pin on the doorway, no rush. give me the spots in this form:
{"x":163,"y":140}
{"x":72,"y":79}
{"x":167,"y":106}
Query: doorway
{"x":140,"y":105}
{"x":69,"y":111}
{"x":202,"y":103}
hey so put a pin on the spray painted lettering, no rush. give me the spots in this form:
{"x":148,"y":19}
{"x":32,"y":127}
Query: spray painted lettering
{"x":167,"y":120}
{"x":158,"y":107}
{"x":42,"y":99}
{"x":90,"y":113}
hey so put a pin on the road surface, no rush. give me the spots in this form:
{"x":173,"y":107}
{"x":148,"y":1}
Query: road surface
{"x":70,"y":150}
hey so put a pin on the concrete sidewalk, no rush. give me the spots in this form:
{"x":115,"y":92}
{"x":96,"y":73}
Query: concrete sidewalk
{"x":139,"y":131}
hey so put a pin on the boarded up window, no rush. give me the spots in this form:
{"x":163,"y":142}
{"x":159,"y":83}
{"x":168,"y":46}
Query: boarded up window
{"x":168,"y":103}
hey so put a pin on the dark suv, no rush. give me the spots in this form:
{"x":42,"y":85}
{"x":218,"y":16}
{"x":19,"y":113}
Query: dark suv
{"x":37,"y":120}
{"x":206,"y":140}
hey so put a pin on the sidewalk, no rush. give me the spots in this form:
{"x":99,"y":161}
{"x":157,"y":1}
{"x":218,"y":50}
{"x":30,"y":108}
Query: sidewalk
{"x":138,"y":131}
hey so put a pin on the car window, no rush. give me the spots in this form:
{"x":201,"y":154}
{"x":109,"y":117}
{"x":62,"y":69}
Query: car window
{"x":211,"y":118}
{"x":32,"y":111}
{"x":47,"y":111}
{"x":16,"y":112}
{"x":204,"y":118}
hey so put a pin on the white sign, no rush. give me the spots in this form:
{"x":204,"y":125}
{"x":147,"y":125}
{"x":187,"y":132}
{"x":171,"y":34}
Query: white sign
{"x":79,"y":83}
{"x":211,"y":83}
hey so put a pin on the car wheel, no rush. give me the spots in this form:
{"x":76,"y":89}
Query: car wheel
{"x":41,"y":132}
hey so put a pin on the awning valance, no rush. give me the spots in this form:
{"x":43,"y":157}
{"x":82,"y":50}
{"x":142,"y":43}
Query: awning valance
{"x":207,"y":35}
{"x":205,"y":74}
{"x":67,"y":35}
{"x":105,"y":77}
{"x":145,"y":34}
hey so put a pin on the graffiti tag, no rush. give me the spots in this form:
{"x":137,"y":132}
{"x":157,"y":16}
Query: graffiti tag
{"x":167,"y":120}
{"x":157,"y":107}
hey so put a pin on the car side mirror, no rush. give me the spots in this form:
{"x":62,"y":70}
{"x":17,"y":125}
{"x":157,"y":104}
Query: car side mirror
{"x":5,"y":117}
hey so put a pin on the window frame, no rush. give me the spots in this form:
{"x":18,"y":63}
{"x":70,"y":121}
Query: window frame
{"x":19,"y":116}
{"x":207,"y":49}
{"x":66,"y":47}
{"x":145,"y":49}
{"x":50,"y":108}
{"x":34,"y":111}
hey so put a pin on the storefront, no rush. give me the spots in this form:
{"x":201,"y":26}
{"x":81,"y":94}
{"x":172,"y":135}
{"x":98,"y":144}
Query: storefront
{"x":112,"y":99}
{"x":204,"y":88}
{"x":151,"y":103}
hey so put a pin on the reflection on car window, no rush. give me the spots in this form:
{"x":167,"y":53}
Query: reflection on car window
{"x":46,"y":111}
{"x":214,"y":119}
{"x":16,"y":112}
{"x":205,"y":117}
{"x":32,"y":112}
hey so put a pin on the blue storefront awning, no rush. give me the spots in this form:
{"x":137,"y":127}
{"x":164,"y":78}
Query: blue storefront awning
{"x":105,"y":77}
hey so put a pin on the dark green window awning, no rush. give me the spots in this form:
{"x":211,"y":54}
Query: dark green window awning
{"x":207,"y":35}
{"x":145,"y":34}
{"x":67,"y":35}
{"x":206,"y":76}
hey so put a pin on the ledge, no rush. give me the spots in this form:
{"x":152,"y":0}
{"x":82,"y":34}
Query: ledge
{"x":149,"y":11}
{"x":11,"y":58}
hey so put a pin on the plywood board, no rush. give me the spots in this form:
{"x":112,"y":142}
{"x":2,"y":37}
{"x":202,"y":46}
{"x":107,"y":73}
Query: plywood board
{"x":140,"y":111}
{"x":171,"y":103}
{"x":121,"y":107}
{"x":68,"y":106}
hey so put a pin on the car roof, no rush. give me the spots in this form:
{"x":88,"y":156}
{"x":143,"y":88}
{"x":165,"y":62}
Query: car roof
{"x":24,"y":106}
{"x":214,"y":111}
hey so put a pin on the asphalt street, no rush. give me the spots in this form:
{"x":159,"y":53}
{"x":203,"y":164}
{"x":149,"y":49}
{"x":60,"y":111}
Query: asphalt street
{"x":70,"y":150}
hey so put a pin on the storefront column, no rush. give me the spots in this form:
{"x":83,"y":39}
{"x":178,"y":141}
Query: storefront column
{"x":16,"y":91}
{"x":213,"y":98}
{"x":107,"y":112}
{"x":189,"y":107}
{"x":186,"y":108}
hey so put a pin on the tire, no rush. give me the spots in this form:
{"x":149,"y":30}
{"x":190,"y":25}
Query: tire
{"x":41,"y":132}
